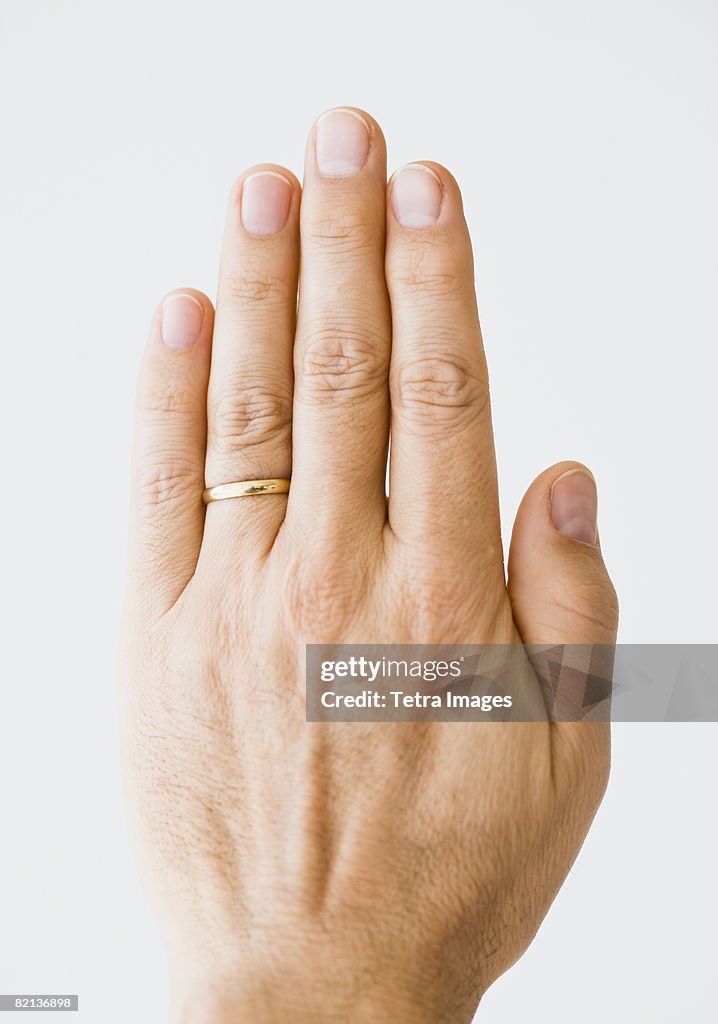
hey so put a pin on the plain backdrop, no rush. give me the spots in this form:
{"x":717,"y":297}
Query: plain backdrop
{"x":584,"y":138}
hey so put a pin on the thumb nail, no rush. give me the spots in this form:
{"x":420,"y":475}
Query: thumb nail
{"x":574,"y":505}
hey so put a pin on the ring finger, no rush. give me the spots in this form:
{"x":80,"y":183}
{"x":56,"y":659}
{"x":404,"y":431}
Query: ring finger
{"x":250,"y":388}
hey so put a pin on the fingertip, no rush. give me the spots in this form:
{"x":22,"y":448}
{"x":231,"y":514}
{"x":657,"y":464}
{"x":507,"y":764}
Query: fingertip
{"x":424,"y":194}
{"x":263,"y":201}
{"x":278,"y":171}
{"x":556,"y":519}
{"x":370,"y":123}
{"x":345,"y":149}
{"x":558,"y":582}
{"x":538,"y":495}
{"x":183,"y":318}
{"x":177,"y":353}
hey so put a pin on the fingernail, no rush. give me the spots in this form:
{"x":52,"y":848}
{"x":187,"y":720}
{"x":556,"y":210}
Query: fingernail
{"x":182,"y":317}
{"x":266,"y":196}
{"x":574,"y":505}
{"x":416,"y":196}
{"x":342,"y":143}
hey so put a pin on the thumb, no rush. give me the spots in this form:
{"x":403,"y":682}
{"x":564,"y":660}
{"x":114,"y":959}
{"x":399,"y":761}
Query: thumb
{"x":558,"y":584}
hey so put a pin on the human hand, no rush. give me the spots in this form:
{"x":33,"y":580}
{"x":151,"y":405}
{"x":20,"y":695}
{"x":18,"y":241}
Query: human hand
{"x":342,"y":872}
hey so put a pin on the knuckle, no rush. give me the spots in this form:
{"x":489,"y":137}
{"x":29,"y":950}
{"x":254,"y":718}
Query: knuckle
{"x":431,"y":270}
{"x":250,"y":286}
{"x":347,"y":362}
{"x":162,"y":488}
{"x":340,"y":229}
{"x":439,"y":384}
{"x":162,"y":396}
{"x":437,"y":608}
{"x":248,"y":416}
{"x":318,"y":602}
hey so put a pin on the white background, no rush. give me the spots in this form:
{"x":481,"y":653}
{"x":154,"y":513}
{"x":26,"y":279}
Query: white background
{"x":584,"y":137}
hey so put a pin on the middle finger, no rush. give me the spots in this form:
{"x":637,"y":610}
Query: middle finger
{"x":341,"y":407}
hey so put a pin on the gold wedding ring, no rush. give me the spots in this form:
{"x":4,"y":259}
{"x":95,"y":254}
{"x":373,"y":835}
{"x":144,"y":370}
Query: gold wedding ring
{"x":245,"y":489}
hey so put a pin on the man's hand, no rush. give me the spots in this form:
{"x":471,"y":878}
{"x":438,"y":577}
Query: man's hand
{"x":342,"y":872}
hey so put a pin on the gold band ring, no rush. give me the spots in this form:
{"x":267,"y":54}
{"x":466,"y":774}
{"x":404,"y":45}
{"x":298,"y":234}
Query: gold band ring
{"x":245,"y":489}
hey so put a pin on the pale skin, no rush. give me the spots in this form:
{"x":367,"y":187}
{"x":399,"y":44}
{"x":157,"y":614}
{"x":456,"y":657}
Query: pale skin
{"x":321,"y":871}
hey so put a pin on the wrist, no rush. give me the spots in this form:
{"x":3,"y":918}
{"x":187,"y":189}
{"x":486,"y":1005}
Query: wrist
{"x":323,"y":1001}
